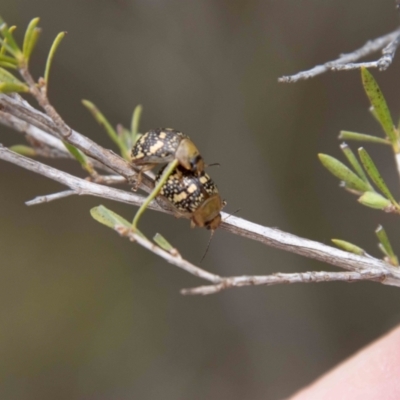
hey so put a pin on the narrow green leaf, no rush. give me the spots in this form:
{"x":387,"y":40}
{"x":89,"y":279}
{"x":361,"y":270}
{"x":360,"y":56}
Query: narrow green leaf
{"x":102,"y":120}
{"x":361,"y":137}
{"x":374,"y":174}
{"x":50,"y":57}
{"x":163,"y":243}
{"x":23,"y":150}
{"x":375,"y":200}
{"x":9,"y":87}
{"x":3,"y":47}
{"x":11,"y":43}
{"x":339,"y":170}
{"x":7,"y":77}
{"x":79,"y":156}
{"x":386,"y":247}
{"x":4,"y":64}
{"x":379,"y":104}
{"x":137,"y":113}
{"x":355,"y":164}
{"x":108,"y":217}
{"x":125,"y":136}
{"x":350,"y":247}
{"x":7,"y":59}
{"x":30,"y":39}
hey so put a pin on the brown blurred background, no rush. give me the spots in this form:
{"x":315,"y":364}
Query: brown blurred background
{"x":85,"y":314}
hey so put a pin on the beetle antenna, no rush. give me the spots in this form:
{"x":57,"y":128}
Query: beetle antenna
{"x":208,"y":246}
{"x":216,"y":164}
{"x":230,"y":215}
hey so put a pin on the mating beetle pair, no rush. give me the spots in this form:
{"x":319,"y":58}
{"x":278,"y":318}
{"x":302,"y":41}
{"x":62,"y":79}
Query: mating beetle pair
{"x":188,"y":188}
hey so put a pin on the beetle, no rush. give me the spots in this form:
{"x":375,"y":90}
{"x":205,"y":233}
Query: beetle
{"x":193,"y":196}
{"x":163,"y":145}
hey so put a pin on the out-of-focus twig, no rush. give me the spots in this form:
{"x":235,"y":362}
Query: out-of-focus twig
{"x":387,"y":43}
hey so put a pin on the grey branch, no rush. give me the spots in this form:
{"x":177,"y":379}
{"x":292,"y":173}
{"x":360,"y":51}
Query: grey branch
{"x":51,"y":197}
{"x":360,"y":267}
{"x":387,"y":43}
{"x":51,"y":130}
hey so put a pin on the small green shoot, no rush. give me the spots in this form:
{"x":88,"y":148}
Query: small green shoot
{"x":163,"y":243}
{"x":375,"y":200}
{"x":109,"y":218}
{"x":386,"y":247}
{"x":50,"y":57}
{"x":362,"y":137}
{"x":380,"y":108}
{"x":79,"y":156}
{"x":23,"y":150}
{"x":125,"y":136}
{"x":338,"y":169}
{"x":167,"y":172}
{"x":10,"y":61}
{"x":9,"y":87}
{"x":137,"y":113}
{"x":350,"y":247}
{"x":7,"y":77}
{"x":31,"y":37}
{"x":375,"y":176}
{"x":351,"y":157}
{"x":11,"y":44}
{"x":102,"y":120}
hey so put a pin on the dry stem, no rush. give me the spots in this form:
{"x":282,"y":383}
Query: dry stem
{"x":387,"y":43}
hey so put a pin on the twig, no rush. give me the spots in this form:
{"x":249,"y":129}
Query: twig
{"x":78,"y":186}
{"x":51,"y":197}
{"x":15,"y":113}
{"x":275,"y":279}
{"x":387,"y":43}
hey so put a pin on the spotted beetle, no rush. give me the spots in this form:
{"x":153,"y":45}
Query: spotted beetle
{"x":193,"y":196}
{"x":163,"y":145}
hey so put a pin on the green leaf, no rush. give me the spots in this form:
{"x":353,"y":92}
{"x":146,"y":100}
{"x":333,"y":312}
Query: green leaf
{"x":11,"y":44}
{"x":386,"y":247}
{"x":339,"y":170}
{"x":163,"y":243}
{"x":9,"y":87}
{"x":7,"y":65}
{"x":350,"y":247}
{"x":375,"y":200}
{"x":125,"y":136}
{"x":137,"y":113}
{"x":23,"y":150}
{"x":374,"y":174}
{"x":108,"y":217}
{"x":361,"y":137}
{"x":7,"y":59}
{"x":7,"y":77}
{"x":30,"y":39}
{"x":102,"y":120}
{"x":50,"y":57}
{"x":79,"y":156}
{"x":379,"y":104}
{"x":355,"y":164}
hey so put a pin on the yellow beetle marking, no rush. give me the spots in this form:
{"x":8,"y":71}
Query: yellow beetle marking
{"x":179,"y":197}
{"x":156,"y":146}
{"x":191,"y":188}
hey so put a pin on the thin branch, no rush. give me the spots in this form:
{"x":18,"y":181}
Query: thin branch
{"x":51,"y":197}
{"x":275,"y":279}
{"x":361,"y":266}
{"x":387,"y":43}
{"x":77,"y":185}
{"x":15,"y":113}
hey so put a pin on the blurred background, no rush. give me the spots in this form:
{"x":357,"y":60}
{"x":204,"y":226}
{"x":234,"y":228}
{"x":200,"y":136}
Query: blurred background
{"x":85,"y":314}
